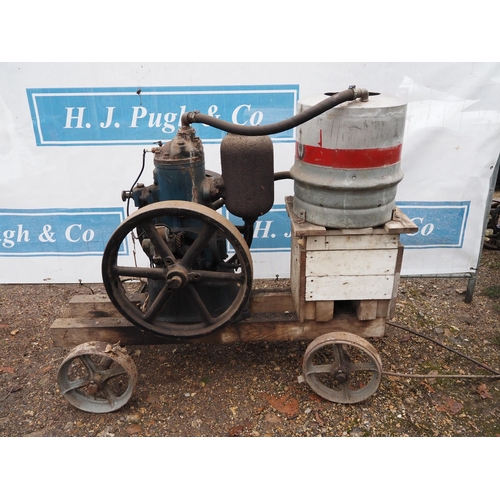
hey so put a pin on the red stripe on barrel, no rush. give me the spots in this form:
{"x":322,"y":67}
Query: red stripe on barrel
{"x":348,"y":158}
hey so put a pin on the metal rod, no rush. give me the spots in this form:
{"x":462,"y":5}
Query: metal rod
{"x":473,"y":279}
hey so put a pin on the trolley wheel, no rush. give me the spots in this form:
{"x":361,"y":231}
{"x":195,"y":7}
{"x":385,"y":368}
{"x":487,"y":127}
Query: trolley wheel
{"x":178,"y":277}
{"x":342,"y":367}
{"x":97,"y":377}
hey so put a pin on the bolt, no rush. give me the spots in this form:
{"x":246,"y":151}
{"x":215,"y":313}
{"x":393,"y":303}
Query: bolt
{"x":341,"y":376}
{"x":175,"y":282}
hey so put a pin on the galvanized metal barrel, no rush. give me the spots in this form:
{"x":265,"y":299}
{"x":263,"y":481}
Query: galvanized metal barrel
{"x":348,"y":162}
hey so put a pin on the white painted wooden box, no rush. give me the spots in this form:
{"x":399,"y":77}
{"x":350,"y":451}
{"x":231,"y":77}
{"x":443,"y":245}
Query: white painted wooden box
{"x":359,"y":265}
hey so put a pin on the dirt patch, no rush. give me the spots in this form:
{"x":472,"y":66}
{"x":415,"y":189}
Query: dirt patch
{"x":253,"y":389}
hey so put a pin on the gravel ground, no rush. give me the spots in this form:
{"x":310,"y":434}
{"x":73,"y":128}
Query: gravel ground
{"x":252,"y":389}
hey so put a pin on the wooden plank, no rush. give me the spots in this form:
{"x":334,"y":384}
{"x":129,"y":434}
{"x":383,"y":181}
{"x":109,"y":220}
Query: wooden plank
{"x":91,"y":306}
{"x":366,"y":309}
{"x":70,"y":332}
{"x":352,"y":242}
{"x":349,"y":287}
{"x":295,"y":274}
{"x":351,"y":262}
{"x":400,"y":223}
{"x":324,"y":310}
{"x":271,"y":302}
{"x":308,"y":311}
{"x":357,"y":231}
{"x":99,"y":305}
{"x":399,"y":263}
{"x":297,"y":278}
{"x":383,"y":308}
{"x":299,"y":226}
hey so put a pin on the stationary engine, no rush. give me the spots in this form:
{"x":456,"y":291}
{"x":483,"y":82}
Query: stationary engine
{"x":193,"y":272}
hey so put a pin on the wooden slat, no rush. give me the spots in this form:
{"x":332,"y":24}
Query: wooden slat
{"x":271,"y":302}
{"x":324,"y":310}
{"x":383,"y":307}
{"x":351,"y":262}
{"x":308,"y":311}
{"x":349,"y":287}
{"x":99,"y":305}
{"x":400,"y":223}
{"x":397,"y":275}
{"x":366,"y":309}
{"x":352,"y":242}
{"x":91,"y":306}
{"x":70,"y":332}
{"x":301,"y":227}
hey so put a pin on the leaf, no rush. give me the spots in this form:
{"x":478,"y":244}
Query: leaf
{"x":6,"y":369}
{"x":237,"y":431}
{"x":449,"y":405}
{"x":272,"y":418}
{"x":134,"y":429}
{"x":290,"y":407}
{"x":427,"y":386}
{"x":319,"y":419}
{"x":315,"y":397}
{"x":483,"y":391}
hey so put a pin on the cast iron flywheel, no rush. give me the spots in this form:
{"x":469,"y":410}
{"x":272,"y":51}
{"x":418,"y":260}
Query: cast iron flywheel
{"x":188,"y":300}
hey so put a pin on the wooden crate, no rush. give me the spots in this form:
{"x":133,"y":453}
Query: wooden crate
{"x":332,"y":267}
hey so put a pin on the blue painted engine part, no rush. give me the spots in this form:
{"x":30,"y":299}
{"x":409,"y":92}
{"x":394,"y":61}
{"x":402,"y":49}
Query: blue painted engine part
{"x":180,"y":174}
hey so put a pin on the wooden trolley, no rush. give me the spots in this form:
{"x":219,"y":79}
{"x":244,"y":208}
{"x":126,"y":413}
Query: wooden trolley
{"x":343,"y":287}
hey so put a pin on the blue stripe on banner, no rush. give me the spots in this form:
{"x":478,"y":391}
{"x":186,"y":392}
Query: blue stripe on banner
{"x":81,"y":232}
{"x":125,"y":116}
{"x":441,"y":224}
{"x":272,"y":232}
{"x":49,"y":232}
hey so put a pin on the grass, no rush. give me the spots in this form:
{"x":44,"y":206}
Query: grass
{"x":493,"y":264}
{"x":493,"y":292}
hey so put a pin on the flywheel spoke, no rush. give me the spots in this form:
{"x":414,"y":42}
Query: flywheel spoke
{"x":339,"y":353}
{"x":319,"y":369}
{"x":159,"y":303}
{"x":154,"y":273}
{"x":346,"y":392}
{"x":200,"y":306}
{"x":89,"y":364}
{"x":220,"y":276}
{"x":159,"y":243}
{"x":197,"y":246}
{"x":364,"y":367}
{"x":74,"y":385}
{"x":109,"y":395}
{"x":110,"y":373}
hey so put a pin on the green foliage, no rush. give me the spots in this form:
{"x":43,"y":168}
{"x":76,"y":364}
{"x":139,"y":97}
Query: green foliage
{"x":493,"y":292}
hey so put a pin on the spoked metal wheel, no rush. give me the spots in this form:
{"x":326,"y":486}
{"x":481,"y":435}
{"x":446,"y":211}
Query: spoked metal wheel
{"x":342,"y":367}
{"x":194,"y":286}
{"x":97,"y":378}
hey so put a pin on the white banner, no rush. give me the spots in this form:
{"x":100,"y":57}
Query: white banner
{"x":72,"y":135}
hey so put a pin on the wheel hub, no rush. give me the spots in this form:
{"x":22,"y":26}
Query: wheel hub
{"x":177,"y":277}
{"x":341,"y":376}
